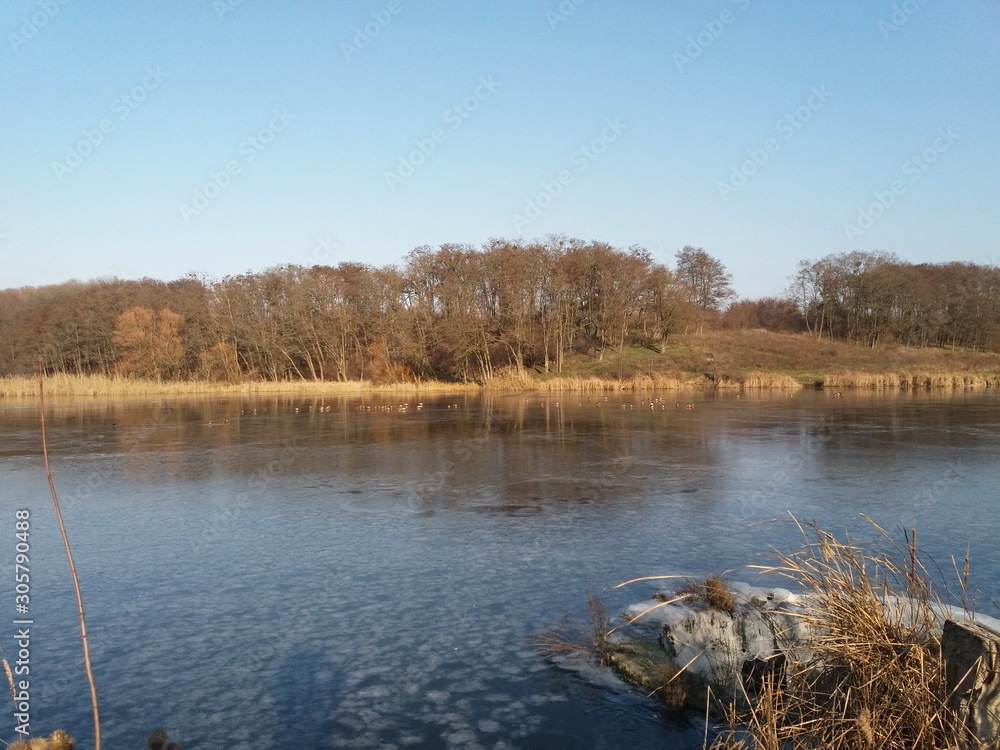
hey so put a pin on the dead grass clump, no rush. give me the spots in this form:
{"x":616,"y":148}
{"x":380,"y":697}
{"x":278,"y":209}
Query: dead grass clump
{"x":718,"y":596}
{"x":58,"y":740}
{"x":711,"y":591}
{"x":873,"y":676}
{"x":575,"y":636}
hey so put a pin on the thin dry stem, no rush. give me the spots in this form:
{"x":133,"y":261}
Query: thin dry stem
{"x":72,"y":566}
{"x":573,"y":636}
{"x":10,"y":680}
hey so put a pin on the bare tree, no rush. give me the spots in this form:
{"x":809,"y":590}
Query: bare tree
{"x":705,"y":278}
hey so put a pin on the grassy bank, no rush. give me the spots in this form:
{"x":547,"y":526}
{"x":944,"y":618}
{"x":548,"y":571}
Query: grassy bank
{"x":748,"y":359}
{"x":763,"y":359}
{"x":833,"y":363}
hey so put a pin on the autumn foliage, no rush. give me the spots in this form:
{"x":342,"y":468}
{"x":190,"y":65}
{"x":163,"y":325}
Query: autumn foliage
{"x":150,"y":342}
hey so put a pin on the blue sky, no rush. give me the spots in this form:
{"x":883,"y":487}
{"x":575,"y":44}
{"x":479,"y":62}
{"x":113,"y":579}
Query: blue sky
{"x":156,"y":139}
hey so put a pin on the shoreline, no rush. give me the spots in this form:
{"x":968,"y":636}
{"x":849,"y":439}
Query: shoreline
{"x":61,"y":385}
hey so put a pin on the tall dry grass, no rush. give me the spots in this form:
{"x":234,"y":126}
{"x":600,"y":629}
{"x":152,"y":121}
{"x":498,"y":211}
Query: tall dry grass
{"x":510,"y":379}
{"x":911,"y":379}
{"x":655,"y":381}
{"x":757,"y":379}
{"x":103,"y":385}
{"x":506,"y":380}
{"x":594,"y":384}
{"x":873,"y":675}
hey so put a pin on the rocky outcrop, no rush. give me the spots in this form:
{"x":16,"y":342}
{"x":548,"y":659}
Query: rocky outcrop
{"x":684,"y":644}
{"x":689,"y":644}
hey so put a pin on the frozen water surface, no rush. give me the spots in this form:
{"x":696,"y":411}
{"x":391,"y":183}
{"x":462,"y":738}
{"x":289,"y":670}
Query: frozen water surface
{"x":347,"y":578}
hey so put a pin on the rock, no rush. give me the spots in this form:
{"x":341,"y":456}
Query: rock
{"x":684,"y":646}
{"x":972,"y":668}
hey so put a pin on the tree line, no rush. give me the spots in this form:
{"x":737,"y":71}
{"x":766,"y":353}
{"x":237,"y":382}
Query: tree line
{"x":871,"y":298}
{"x":461,"y":313}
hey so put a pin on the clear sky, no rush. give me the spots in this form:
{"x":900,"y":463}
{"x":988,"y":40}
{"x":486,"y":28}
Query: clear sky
{"x":160,"y":138}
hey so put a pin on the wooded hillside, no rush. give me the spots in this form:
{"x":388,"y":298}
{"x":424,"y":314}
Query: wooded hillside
{"x":460,"y":313}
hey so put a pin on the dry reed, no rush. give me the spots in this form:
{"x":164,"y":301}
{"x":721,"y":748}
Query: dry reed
{"x":72,"y":567}
{"x":757,"y":379}
{"x":872,"y":676}
{"x":507,"y":379}
{"x":593,"y":383}
{"x":571,"y":635}
{"x":910,"y":379}
{"x":711,"y":590}
{"x":103,"y":385}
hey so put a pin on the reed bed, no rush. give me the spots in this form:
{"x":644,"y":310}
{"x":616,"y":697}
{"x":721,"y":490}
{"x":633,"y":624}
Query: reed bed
{"x":511,"y":379}
{"x":724,"y":383}
{"x":523,"y":380}
{"x":758,"y":380}
{"x":656,"y":381}
{"x":638,"y":382}
{"x":911,"y":379}
{"x":103,"y":385}
{"x":873,"y":676}
{"x":507,"y":379}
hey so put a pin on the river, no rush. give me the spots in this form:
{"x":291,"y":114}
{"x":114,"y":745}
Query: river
{"x":346,"y":572}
